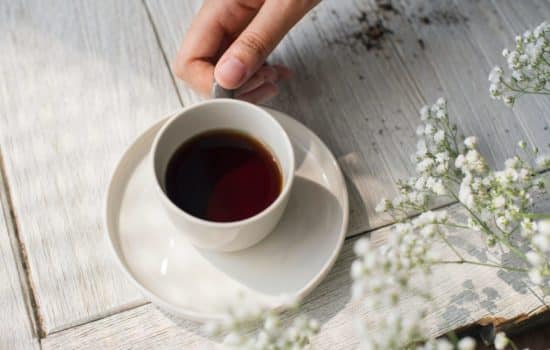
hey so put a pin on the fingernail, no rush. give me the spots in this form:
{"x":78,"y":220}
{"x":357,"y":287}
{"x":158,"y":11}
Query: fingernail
{"x":231,"y":73}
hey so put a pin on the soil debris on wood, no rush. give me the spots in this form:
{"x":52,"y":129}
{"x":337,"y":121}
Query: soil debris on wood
{"x":370,"y":32}
{"x":443,"y":16}
{"x":369,"y":27}
{"x":371,"y":35}
{"x":387,"y":7}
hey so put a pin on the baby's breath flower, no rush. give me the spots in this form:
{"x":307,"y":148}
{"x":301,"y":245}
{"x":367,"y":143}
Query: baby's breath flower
{"x":543,"y":162}
{"x":439,"y":136}
{"x":429,"y":129}
{"x":470,"y":142}
{"x":424,"y":113}
{"x":383,"y":205}
{"x":529,"y":67}
{"x":437,"y":344}
{"x":270,"y":332}
{"x":466,"y":343}
{"x":501,"y":341}
{"x":421,"y":148}
{"x":496,"y":75}
{"x":498,"y":204}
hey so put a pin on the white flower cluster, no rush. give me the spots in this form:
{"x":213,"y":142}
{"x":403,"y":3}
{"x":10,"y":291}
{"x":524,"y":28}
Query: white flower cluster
{"x":529,"y":64}
{"x":539,"y":234}
{"x":501,"y":341}
{"x":498,"y":204}
{"x":435,"y":152}
{"x":498,"y":201}
{"x":506,"y":194}
{"x":393,"y":332}
{"x":381,"y":275}
{"x":543,"y":162}
{"x":249,"y":327}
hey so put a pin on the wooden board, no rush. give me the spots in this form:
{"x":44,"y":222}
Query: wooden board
{"x":16,"y":325}
{"x":78,"y":81}
{"x":495,"y":25}
{"x":463,"y":295}
{"x":461,"y":44}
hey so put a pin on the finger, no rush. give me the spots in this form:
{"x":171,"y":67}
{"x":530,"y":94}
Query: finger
{"x":192,"y":62}
{"x":263,"y":75}
{"x":255,"y":43}
{"x":207,"y":36}
{"x":261,"y":94}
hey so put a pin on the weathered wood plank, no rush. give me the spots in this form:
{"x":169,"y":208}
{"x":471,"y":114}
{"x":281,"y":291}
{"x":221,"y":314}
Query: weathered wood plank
{"x":78,"y":81}
{"x":515,"y":19}
{"x":17,"y":329}
{"x":463,"y":295}
{"x":495,"y":26}
{"x":437,"y":39}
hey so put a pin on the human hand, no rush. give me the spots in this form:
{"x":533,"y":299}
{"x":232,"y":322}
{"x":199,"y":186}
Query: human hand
{"x":231,"y":39}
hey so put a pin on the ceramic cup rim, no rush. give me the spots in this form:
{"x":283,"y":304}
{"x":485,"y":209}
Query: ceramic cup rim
{"x":287,"y":185}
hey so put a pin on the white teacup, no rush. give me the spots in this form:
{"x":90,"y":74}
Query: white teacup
{"x":224,"y":114}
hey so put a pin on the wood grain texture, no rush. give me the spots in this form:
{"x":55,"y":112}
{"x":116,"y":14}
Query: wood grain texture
{"x":363,"y":101}
{"x":78,"y":81}
{"x":17,"y":329}
{"x":463,"y":295}
{"x":460,"y":45}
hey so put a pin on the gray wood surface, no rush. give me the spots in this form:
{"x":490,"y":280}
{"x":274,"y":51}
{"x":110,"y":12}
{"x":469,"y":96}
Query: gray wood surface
{"x":17,"y":329}
{"x":363,"y":101}
{"x":463,"y":294}
{"x":78,"y":81}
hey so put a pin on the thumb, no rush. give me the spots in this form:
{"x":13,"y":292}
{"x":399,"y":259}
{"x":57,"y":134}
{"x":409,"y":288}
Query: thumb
{"x":250,"y":50}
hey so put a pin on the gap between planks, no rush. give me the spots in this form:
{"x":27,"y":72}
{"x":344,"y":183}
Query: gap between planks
{"x":23,"y":267}
{"x":20,"y":252}
{"x":162,"y":50}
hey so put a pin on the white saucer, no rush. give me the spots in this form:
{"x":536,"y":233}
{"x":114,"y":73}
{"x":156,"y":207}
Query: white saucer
{"x":200,"y":285}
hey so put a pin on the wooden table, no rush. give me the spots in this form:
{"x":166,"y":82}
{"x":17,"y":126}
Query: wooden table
{"x":79,"y":80}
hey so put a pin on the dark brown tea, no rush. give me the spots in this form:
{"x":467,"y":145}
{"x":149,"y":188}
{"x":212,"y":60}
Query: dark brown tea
{"x":223,"y":176}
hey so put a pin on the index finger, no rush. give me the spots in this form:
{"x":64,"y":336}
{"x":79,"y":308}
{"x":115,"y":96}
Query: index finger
{"x":194,"y":59}
{"x":214,"y":25}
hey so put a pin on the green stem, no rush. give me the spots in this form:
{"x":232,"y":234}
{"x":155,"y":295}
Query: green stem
{"x":457,"y":226}
{"x":452,"y":335}
{"x":512,"y":248}
{"x":537,"y":216}
{"x":524,"y":91}
{"x":488,"y":231}
{"x":451,"y":246}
